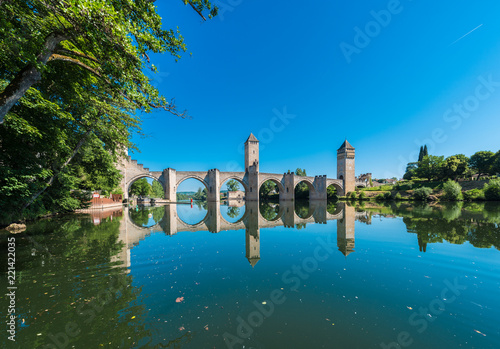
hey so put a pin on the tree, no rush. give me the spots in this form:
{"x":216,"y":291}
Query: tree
{"x":411,"y":169}
{"x":140,"y":187}
{"x":157,"y":190}
{"x":200,"y":195}
{"x":425,"y":153}
{"x":268,"y":188}
{"x":455,"y":166}
{"x":109,"y":39}
{"x":233,"y":185}
{"x":496,"y":163}
{"x":421,"y":154}
{"x":233,"y":212}
{"x":68,"y":101}
{"x":452,"y":191}
{"x":301,"y":190}
{"x":482,"y":162}
{"x":431,"y":167}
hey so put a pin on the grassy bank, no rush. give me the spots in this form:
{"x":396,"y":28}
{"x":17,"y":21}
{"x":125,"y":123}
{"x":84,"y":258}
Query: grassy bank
{"x":486,"y":190}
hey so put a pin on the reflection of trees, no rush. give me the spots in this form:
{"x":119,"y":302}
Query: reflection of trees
{"x":140,"y":215}
{"x":233,"y":212}
{"x":455,"y":223}
{"x":302,"y":208}
{"x":269,"y":211}
{"x":64,"y":275}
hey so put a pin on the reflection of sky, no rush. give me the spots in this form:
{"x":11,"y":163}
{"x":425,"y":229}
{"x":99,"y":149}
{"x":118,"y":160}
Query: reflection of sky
{"x":372,"y":293}
{"x":224,"y":209}
{"x":191,"y":215}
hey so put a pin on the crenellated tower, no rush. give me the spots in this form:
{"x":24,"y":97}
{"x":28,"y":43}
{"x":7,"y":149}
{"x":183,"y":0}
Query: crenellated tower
{"x":345,"y":167}
{"x":252,"y":168}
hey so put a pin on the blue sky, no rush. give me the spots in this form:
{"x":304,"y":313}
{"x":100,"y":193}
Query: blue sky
{"x":396,"y":90}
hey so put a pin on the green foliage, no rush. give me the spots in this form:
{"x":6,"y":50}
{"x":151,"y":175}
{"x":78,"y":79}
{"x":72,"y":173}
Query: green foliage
{"x":233,"y":212}
{"x":233,"y":185}
{"x":387,"y":195}
{"x":474,"y":195}
{"x":380,"y":197}
{"x":482,"y":162}
{"x":140,"y":187}
{"x":455,"y":166}
{"x":302,"y":189}
{"x":66,"y":132}
{"x":362,"y":196}
{"x":422,"y":194}
{"x":157,"y":190}
{"x":352,"y":195}
{"x":398,"y":197}
{"x":452,"y":191}
{"x":331,"y":193}
{"x":268,"y":188}
{"x":200,"y":195}
{"x":492,"y":190}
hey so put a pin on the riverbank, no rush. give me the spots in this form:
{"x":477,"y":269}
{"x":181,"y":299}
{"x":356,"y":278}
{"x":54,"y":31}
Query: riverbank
{"x":485,"y":190}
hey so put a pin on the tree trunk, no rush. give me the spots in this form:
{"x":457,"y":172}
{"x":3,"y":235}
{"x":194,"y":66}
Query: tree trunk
{"x":28,"y":76}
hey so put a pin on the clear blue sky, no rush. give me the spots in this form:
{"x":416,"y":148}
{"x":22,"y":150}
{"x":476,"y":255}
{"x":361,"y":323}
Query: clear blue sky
{"x":260,"y":57}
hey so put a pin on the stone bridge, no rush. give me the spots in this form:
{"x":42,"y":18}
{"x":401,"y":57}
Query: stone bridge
{"x":251,"y":222}
{"x":251,"y":180}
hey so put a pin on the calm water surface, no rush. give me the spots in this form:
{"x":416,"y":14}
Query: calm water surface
{"x":309,"y":275}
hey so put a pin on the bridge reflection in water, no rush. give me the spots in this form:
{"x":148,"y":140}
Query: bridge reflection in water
{"x":252,"y":221}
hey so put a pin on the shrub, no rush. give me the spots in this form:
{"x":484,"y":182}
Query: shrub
{"x":379,"y":197}
{"x":422,"y":194}
{"x":474,"y":195}
{"x":387,"y":196}
{"x":353,"y":195}
{"x":452,"y":191}
{"x":362,"y":196}
{"x":398,"y":197}
{"x":492,"y":190}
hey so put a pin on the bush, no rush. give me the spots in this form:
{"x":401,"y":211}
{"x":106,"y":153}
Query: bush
{"x":474,"y":195}
{"x":398,"y":197}
{"x":492,"y":190}
{"x":362,"y":196}
{"x":379,"y":197}
{"x":387,"y":196}
{"x":452,"y":191}
{"x":353,"y":195}
{"x":422,"y":194}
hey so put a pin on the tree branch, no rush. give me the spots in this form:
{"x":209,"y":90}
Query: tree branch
{"x":58,"y":57}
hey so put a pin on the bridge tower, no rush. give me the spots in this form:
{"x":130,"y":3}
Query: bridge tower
{"x":252,"y":233}
{"x":345,"y":167}
{"x":252,"y":168}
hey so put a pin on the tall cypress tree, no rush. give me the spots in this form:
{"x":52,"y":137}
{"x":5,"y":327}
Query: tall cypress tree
{"x":425,"y":151}
{"x":421,"y":154}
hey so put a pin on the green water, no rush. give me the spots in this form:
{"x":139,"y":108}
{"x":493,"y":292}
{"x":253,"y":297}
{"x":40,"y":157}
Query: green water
{"x":309,"y":275}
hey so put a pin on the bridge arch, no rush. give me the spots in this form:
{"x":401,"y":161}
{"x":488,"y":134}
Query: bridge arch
{"x":309,"y":183}
{"x":142,"y":175}
{"x":281,"y":188}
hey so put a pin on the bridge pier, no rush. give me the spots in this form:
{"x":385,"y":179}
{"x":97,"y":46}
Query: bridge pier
{"x":213,"y":190}
{"x":320,"y":185}
{"x":289,"y":187}
{"x":170,"y":180}
{"x":213,"y":217}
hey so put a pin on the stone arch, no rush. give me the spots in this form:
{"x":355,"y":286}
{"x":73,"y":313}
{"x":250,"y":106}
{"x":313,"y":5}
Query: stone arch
{"x":142,"y":175}
{"x":194,"y":225}
{"x":239,"y":180}
{"x":281,"y":188}
{"x":184,"y":178}
{"x":310,"y":185}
